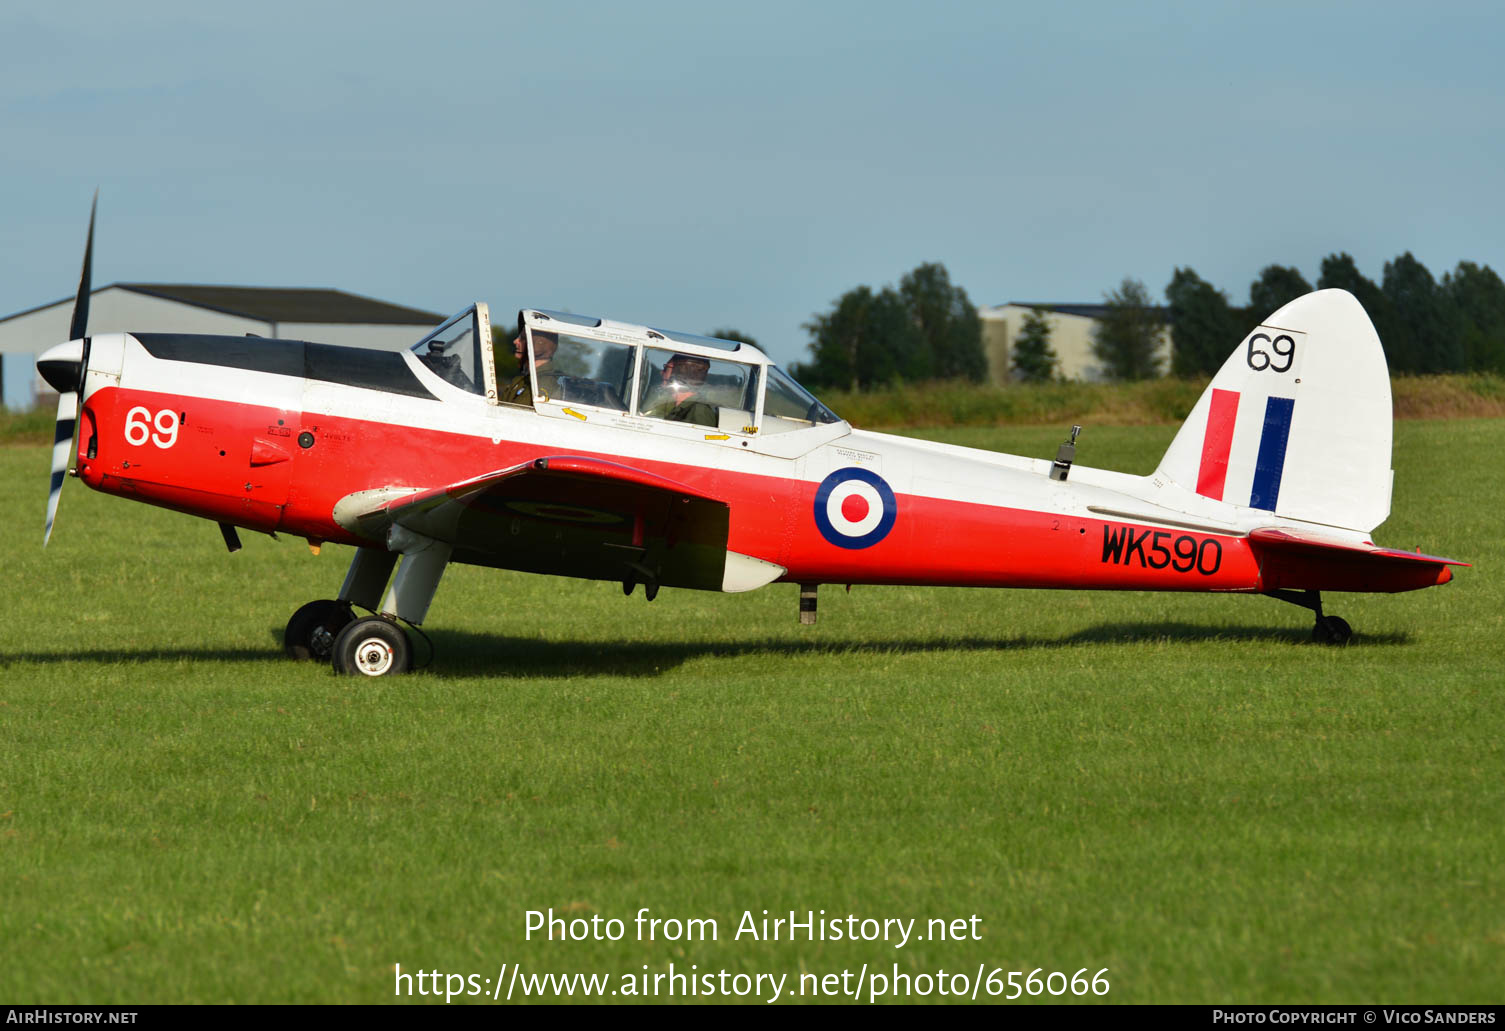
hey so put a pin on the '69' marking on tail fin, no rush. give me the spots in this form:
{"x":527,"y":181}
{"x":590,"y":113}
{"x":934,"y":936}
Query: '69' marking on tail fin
{"x":1259,"y":359}
{"x":1161,"y":549}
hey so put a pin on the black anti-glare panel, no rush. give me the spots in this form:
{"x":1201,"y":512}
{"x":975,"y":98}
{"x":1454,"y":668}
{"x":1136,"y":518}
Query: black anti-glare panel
{"x":352,"y":366}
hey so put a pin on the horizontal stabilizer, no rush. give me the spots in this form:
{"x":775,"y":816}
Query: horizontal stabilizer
{"x":1300,"y":560}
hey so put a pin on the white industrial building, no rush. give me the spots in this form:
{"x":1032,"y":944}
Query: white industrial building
{"x":322,"y":316}
{"x":1071,"y":334}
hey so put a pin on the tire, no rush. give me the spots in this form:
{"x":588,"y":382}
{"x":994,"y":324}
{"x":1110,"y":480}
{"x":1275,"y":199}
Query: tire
{"x":372,"y":647}
{"x":1332,"y":630}
{"x":312,"y":630}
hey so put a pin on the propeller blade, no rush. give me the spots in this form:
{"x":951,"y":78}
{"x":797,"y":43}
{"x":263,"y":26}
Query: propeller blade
{"x":79,"y":327}
{"x":63,"y":368}
{"x":62,"y":447}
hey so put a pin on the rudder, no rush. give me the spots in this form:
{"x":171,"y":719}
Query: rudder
{"x":1297,"y":421}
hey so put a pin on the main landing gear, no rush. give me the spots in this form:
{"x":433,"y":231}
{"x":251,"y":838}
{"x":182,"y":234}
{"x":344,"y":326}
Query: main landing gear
{"x":377,"y":645}
{"x":311,"y":633}
{"x":1327,"y":629}
{"x":328,"y":631}
{"x":372,"y":647}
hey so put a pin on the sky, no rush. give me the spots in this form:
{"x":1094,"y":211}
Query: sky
{"x":701,"y":165}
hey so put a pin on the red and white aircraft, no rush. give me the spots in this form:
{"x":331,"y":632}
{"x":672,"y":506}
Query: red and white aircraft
{"x":1272,"y":486}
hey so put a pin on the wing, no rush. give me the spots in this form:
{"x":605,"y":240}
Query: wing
{"x":1302,"y":560}
{"x":570,"y":516}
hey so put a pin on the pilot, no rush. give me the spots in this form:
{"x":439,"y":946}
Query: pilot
{"x":677,"y":397}
{"x":520,"y":391}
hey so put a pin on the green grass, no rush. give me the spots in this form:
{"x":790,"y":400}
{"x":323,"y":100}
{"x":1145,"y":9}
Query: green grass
{"x":1178,"y":788}
{"x":1150,"y":402}
{"x":32,"y":426}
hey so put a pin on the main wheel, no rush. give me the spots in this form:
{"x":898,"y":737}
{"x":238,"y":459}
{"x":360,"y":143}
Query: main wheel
{"x":1332,"y":630}
{"x":311,"y":631}
{"x":372,"y":647}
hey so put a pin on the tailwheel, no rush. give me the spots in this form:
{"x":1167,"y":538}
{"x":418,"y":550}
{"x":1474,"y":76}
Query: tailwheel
{"x":372,"y":647}
{"x":1327,"y":629}
{"x":1331,"y":630}
{"x":311,"y":631}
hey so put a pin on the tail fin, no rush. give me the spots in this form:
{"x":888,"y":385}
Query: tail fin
{"x":1297,"y":421}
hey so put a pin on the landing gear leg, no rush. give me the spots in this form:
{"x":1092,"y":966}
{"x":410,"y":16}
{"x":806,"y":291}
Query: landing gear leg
{"x":377,"y":646}
{"x":1327,"y":629}
{"x":369,"y":572}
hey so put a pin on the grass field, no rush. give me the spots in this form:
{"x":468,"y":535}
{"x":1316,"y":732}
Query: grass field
{"x":1180,"y":789}
{"x":1149,"y":402}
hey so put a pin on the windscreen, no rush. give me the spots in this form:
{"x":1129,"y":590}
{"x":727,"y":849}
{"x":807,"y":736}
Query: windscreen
{"x":789,"y":403}
{"x":453,"y":352}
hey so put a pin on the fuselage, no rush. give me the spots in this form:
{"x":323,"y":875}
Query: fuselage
{"x":270,"y":435}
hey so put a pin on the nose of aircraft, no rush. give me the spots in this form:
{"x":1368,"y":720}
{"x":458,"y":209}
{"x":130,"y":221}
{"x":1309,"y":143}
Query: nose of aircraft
{"x":62,"y":366}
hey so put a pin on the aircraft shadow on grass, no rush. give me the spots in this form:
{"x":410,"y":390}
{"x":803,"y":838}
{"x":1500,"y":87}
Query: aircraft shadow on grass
{"x":133,"y":656}
{"x":469,"y":654}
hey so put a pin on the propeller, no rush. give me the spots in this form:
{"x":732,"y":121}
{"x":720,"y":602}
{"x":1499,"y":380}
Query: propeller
{"x":63,"y":369}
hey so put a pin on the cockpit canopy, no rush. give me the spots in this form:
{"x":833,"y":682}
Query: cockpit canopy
{"x":585,"y":367}
{"x":728,"y":385}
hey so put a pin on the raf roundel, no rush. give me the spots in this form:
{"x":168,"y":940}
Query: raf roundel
{"x":854,"y":508}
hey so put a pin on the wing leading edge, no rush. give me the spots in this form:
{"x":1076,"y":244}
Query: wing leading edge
{"x":570,"y":515}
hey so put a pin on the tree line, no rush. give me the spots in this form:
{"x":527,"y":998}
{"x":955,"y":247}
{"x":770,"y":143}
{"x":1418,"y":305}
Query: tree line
{"x":1426,"y":325}
{"x":927,"y":328}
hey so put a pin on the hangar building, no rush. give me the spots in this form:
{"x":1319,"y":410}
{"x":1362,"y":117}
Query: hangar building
{"x":323,"y":316}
